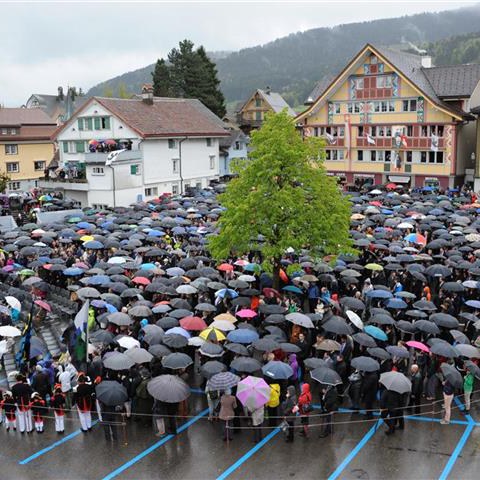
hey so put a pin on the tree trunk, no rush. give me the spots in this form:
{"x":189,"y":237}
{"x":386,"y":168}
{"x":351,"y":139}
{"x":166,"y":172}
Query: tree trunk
{"x":276,"y":273}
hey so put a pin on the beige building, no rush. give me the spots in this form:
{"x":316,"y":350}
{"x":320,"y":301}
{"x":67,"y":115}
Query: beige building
{"x":26,"y":147}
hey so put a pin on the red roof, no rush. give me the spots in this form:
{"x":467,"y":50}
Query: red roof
{"x":15,"y":117}
{"x":165,"y":117}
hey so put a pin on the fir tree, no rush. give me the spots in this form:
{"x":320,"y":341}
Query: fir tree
{"x":161,"y":79}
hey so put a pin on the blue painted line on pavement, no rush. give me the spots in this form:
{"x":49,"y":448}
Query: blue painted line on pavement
{"x":458,"y":449}
{"x":367,"y":437}
{"x":245,"y":457}
{"x":52,"y":446}
{"x":156,"y":445}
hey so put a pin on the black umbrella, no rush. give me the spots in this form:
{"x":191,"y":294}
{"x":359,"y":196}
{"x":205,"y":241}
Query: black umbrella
{"x":176,"y":361}
{"x":397,"y":351}
{"x":405,"y":326}
{"x":444,"y":349}
{"x":313,"y":363}
{"x":101,"y":336}
{"x":382,"y":319}
{"x":427,"y":327}
{"x":265,"y":345}
{"x":352,"y":303}
{"x":211,"y":350}
{"x":208,"y":369}
{"x":111,"y":393}
{"x":378,"y":352}
{"x":168,"y":388}
{"x":425,"y":305}
{"x":364,"y":340}
{"x":118,"y":361}
{"x":119,"y":318}
{"x":444,"y":320}
{"x":246,"y":365}
{"x":237,"y":348}
{"x":473,"y":368}
{"x":338,"y":326}
{"x":326,"y":376}
{"x":159,"y":351}
{"x":365,"y":364}
{"x":174,"y":340}
{"x":452,"y":375}
{"x":452,"y":287}
{"x":396,"y":382}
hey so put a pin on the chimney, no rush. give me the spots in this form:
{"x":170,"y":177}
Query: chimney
{"x":60,"y":94}
{"x":147,"y":93}
{"x":268,"y":90}
{"x":426,"y":61}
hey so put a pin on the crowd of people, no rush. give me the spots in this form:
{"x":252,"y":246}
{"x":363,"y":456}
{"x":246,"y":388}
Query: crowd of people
{"x":386,"y":331}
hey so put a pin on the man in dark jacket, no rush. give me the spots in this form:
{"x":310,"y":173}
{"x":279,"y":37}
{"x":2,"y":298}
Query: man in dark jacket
{"x":390,"y":402}
{"x":417,"y":389}
{"x":329,"y":405}
{"x":369,"y":391}
{"x":21,"y":393}
{"x":41,"y":382}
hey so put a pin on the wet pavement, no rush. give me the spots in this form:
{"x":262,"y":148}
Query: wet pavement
{"x":358,"y":449}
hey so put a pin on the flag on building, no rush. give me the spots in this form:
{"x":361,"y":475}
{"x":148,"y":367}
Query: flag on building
{"x":23,"y":354}
{"x":81,"y":332}
{"x":371,"y":140}
{"x":404,"y":140}
{"x":434,"y":143}
{"x":331,"y":139}
{"x":112,"y":156}
{"x":348,"y":136}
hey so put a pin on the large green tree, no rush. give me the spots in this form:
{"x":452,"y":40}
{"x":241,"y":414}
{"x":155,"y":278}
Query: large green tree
{"x":189,"y":73}
{"x":161,"y":79}
{"x":283,"y":193}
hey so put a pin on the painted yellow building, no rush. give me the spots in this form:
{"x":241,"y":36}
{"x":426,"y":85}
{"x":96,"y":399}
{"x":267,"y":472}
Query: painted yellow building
{"x":252,"y":113}
{"x":26,"y":147}
{"x":388,"y":117}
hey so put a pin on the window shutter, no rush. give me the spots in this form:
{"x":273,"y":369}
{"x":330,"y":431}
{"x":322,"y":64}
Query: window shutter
{"x":80,"y":147}
{"x":107,"y":123}
{"x":65,"y":147}
{"x":133,"y":169}
{"x":89,"y":124}
{"x":97,"y":123}
{"x":80,"y":123}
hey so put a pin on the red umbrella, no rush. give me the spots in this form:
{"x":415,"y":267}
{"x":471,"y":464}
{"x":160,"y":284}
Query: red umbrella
{"x":43,"y":305}
{"x":271,"y":292}
{"x":141,"y":281}
{"x":193,"y":323}
{"x":390,"y":186}
{"x":47,"y":266}
{"x":225,"y":267}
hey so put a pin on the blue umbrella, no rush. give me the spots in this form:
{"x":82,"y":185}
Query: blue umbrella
{"x":86,"y":225}
{"x":277,"y":370}
{"x":178,"y":331}
{"x":226,"y":292}
{"x":379,"y":294}
{"x":148,"y":266}
{"x":252,"y":267}
{"x":73,"y":271}
{"x":98,"y":280}
{"x":179,"y":231}
{"x":397,"y":303}
{"x":243,"y":335}
{"x":156,"y":233}
{"x":111,"y":308}
{"x":473,"y":303}
{"x":292,"y":288}
{"x":94,"y":245}
{"x":376,"y":332}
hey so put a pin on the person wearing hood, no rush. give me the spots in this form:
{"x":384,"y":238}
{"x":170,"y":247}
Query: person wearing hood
{"x":329,"y":405}
{"x":305,"y":407}
{"x":292,"y":361}
{"x":272,"y":404}
{"x":289,"y":409}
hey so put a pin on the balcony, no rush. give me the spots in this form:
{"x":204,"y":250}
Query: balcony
{"x":55,"y":184}
{"x":100,"y":157}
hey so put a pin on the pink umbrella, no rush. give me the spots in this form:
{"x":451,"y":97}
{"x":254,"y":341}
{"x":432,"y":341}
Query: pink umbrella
{"x":253,"y":392}
{"x":141,"y":281}
{"x":418,"y":345}
{"x":43,"y":305}
{"x":246,"y":313}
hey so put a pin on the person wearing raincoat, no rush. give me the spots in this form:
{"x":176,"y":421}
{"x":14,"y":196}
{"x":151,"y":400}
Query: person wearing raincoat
{"x":305,"y":407}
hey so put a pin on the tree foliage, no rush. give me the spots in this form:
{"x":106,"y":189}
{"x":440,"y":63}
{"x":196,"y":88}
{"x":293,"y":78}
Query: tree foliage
{"x":4,"y":179}
{"x":189,"y":74}
{"x":282,"y":193}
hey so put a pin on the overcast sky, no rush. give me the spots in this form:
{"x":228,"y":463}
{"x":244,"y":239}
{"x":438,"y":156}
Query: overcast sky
{"x":46,"y":44}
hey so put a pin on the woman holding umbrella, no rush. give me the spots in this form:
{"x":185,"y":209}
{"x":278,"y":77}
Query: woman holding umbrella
{"x":228,"y":403}
{"x":290,"y":408}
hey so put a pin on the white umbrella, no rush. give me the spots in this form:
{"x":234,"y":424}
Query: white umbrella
{"x":186,"y":289}
{"x":405,"y":225}
{"x":223,"y":325}
{"x":196,"y":341}
{"x":3,"y":348}
{"x":9,"y":331}
{"x":14,"y":303}
{"x":128,"y":342}
{"x":376,"y":192}
{"x":117,"y":260}
{"x":355,"y":319}
{"x":246,"y":278}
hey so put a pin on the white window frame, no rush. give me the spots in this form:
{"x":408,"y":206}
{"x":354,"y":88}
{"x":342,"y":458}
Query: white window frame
{"x":14,"y":185}
{"x":172,"y":143}
{"x":337,"y":107}
{"x":209,"y":141}
{"x":11,"y":149}
{"x":13,"y":131}
{"x":212,"y":162}
{"x":175,"y":189}
{"x":175,"y":165}
{"x":4,"y":131}
{"x":151,"y":191}
{"x":98,"y":171}
{"x":10,"y":168}
{"x":43,"y":162}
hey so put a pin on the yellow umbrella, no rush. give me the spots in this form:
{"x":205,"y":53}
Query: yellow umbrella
{"x":86,"y":238}
{"x":226,"y":316}
{"x":212,"y":334}
{"x":375,"y":267}
{"x":357,"y":216}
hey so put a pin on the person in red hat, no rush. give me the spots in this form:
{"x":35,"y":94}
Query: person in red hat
{"x":57,"y":402}
{"x":8,"y":406}
{"x":38,"y":409}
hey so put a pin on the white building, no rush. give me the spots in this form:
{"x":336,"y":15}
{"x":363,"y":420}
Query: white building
{"x":168,"y":145}
{"x":231,"y":148}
